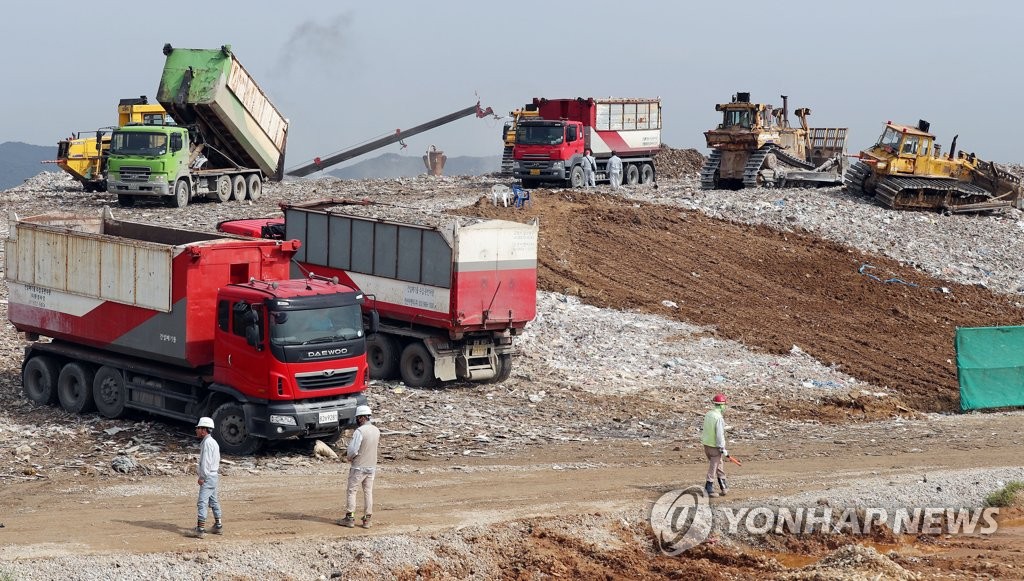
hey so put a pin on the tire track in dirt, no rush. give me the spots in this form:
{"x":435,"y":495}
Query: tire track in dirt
{"x":767,"y":289}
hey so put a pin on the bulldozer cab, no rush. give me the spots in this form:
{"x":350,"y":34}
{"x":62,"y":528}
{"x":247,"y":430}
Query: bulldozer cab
{"x":903,"y":146}
{"x":738,"y":118}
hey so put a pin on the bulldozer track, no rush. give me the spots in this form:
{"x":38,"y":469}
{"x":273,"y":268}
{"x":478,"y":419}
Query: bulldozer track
{"x":854,"y":178}
{"x":754,"y":163}
{"x":922,"y":193}
{"x":707,"y":172}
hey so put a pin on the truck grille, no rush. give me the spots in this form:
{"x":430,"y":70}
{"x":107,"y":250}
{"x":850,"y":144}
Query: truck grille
{"x":135,"y":174}
{"x":328,"y":379}
{"x":536,"y":156}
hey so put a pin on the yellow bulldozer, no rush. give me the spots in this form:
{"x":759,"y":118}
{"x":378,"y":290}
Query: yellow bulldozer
{"x":755,"y":146}
{"x":84,"y":154}
{"x":907,"y":170}
{"x":508,"y":135}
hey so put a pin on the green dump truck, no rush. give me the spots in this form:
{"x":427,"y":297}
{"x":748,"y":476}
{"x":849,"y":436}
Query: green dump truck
{"x":226,"y":140}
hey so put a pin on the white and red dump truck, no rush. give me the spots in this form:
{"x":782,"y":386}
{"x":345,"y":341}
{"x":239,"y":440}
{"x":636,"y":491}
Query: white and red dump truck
{"x":549,"y":147}
{"x":450,"y":293}
{"x":184,"y":324}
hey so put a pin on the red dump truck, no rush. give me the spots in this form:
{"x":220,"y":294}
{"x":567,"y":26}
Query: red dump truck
{"x":549,"y":147}
{"x":184,"y":324}
{"x":450,"y":295}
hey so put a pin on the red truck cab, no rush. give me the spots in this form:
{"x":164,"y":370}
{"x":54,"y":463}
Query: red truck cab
{"x":295,"y":344}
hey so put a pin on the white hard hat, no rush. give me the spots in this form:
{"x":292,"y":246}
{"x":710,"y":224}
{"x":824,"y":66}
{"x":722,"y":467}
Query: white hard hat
{"x":205,"y":422}
{"x":363,"y":410}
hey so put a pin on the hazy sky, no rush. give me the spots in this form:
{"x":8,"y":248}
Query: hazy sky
{"x":348,"y":72}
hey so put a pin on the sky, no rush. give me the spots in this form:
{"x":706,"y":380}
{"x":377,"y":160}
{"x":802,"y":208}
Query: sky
{"x":344,"y":73}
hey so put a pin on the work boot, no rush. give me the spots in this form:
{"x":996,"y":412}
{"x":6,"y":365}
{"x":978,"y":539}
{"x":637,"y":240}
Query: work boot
{"x":218,"y":528}
{"x":709,"y":487}
{"x":723,"y":486}
{"x":349,"y":521}
{"x":198,"y":532}
{"x":366,"y":522}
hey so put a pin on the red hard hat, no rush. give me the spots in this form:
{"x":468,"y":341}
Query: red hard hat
{"x":719,"y":398}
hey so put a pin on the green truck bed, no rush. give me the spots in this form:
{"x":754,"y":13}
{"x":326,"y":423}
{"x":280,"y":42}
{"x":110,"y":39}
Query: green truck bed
{"x":210,"y":88}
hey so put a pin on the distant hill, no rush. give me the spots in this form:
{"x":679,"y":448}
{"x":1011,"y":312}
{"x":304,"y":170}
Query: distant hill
{"x":20,"y":161}
{"x":392,"y":165}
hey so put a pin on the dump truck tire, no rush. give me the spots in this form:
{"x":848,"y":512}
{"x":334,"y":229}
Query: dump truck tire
{"x":224,"y":189}
{"x":109,"y":392}
{"x":39,"y":379}
{"x":182,"y":194}
{"x":646,"y":173}
{"x":382,"y":356}
{"x":74,"y":388}
{"x":632,"y":175}
{"x":417,"y":365}
{"x":230,"y":431}
{"x":576,"y":176}
{"x":238,"y":188}
{"x":254,"y":187}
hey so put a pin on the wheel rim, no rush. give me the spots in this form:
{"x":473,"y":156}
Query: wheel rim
{"x":233,"y":428}
{"x":109,"y":392}
{"x":223,"y":188}
{"x":34,"y":384}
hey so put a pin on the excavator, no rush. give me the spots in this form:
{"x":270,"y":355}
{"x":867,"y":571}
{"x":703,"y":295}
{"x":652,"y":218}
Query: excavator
{"x":398,"y":136}
{"x":906,"y":170}
{"x":755,"y":146}
{"x":84,"y":155}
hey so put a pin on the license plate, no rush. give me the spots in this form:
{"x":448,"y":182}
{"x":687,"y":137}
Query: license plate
{"x":478,"y":352}
{"x":328,"y":417}
{"x":535,"y":172}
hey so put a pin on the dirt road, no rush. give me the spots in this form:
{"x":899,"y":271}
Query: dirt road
{"x":75,"y":515}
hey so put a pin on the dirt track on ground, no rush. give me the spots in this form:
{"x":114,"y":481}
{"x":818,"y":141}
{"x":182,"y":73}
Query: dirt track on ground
{"x":81,"y":515}
{"x":764,"y":288}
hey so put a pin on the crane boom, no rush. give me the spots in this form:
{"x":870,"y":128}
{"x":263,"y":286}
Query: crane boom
{"x":320,"y":164}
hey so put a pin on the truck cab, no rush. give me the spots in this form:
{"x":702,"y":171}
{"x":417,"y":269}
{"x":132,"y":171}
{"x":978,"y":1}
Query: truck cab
{"x":148,"y":160}
{"x":293,"y":344}
{"x":546,"y":150}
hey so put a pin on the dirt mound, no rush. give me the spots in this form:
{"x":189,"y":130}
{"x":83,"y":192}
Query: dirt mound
{"x":677,"y":163}
{"x":877,"y":320}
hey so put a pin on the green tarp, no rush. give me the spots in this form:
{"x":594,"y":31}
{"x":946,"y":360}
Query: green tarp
{"x":990,"y":364}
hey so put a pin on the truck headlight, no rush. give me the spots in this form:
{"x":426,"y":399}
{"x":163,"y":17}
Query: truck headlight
{"x":284,"y":420}
{"x":558,"y":165}
{"x":515,"y":165}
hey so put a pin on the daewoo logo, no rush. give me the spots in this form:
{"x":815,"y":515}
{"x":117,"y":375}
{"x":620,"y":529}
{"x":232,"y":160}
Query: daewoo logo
{"x":327,"y":352}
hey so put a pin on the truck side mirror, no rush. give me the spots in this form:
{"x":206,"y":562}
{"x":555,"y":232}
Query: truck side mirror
{"x":374,"y":322}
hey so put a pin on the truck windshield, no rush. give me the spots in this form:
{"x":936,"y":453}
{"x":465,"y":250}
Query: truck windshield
{"x":891,"y":138}
{"x":316,"y":325}
{"x":137,"y":143}
{"x":539,"y":134}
